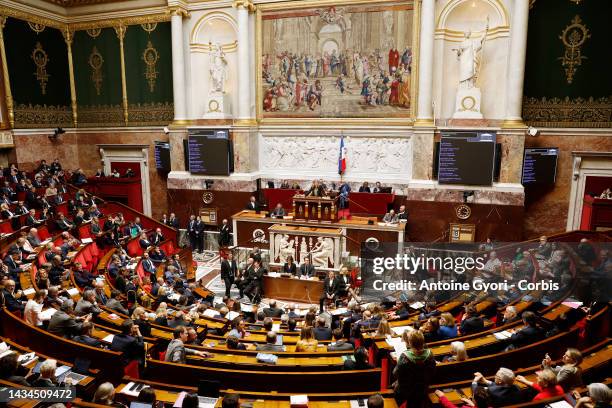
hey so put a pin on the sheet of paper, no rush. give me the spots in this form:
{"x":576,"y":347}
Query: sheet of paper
{"x":232,"y":315}
{"x":399,"y":330}
{"x":46,"y":314}
{"x":109,"y":338}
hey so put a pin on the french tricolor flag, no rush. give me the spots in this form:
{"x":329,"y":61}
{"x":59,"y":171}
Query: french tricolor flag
{"x":342,"y":157}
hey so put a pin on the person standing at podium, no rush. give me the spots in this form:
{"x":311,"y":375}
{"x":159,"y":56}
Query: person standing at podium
{"x":306,"y":268}
{"x":229,"y":270}
{"x":252,"y":205}
{"x":316,"y":189}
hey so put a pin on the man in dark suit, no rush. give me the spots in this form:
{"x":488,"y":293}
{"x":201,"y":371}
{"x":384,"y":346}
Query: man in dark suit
{"x":330,"y":290}
{"x":402,"y":214}
{"x":224,"y":233}
{"x":82,"y":277}
{"x":63,"y":323}
{"x":33,"y":237}
{"x":272,"y":310}
{"x":270,"y":345}
{"x":502,"y":391}
{"x":192,"y":232}
{"x":147,"y":264}
{"x":321,"y":331}
{"x":306,"y":268}
{"x":531,"y":333}
{"x":101,"y":297}
{"x":279,"y":211}
{"x":176,"y":262}
{"x":252,"y":205}
{"x":31,"y":198}
{"x":365,"y":188}
{"x":229,"y":270}
{"x":129,"y":342}
{"x":173,"y":221}
{"x":315,"y":190}
{"x":31,"y":220}
{"x":63,"y":223}
{"x":144,"y":241}
{"x":86,"y":336}
{"x":254,"y":286}
{"x":339,"y":343}
{"x":21,"y":208}
{"x":12,"y":299}
{"x":472,"y":322}
{"x":157,"y":238}
{"x":12,"y":262}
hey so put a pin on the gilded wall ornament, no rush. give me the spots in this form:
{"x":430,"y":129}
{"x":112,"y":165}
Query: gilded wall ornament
{"x":576,"y":2}
{"x":95,"y":62}
{"x":37,"y":27}
{"x":150,"y":56}
{"x":568,"y":112}
{"x":149,"y":27}
{"x":40,"y":58}
{"x":94,"y":32}
{"x":573,"y":37}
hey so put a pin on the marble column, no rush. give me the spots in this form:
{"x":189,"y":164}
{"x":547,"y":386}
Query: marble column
{"x":426,"y":52}
{"x":243,"y":7}
{"x":516,"y":64}
{"x":178,"y":65}
{"x":177,"y":149}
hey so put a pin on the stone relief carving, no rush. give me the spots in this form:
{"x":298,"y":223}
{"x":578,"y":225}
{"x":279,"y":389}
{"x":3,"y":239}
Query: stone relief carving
{"x":320,"y":153}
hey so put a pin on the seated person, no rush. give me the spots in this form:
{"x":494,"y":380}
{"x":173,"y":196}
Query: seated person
{"x":321,"y":331}
{"x":10,"y":369}
{"x":307,"y":342}
{"x":234,"y":344}
{"x":82,"y":277}
{"x":47,"y":374}
{"x":360,"y":361}
{"x":87,"y":304}
{"x":144,"y":241}
{"x":157,"y":237}
{"x":472,"y":322}
{"x":306,"y":269}
{"x":390,"y":217}
{"x":63,"y":223}
{"x":339,"y":343}
{"x":147,"y":264}
{"x":86,"y":336}
{"x":502,"y":391}
{"x":63,"y":323}
{"x":157,"y":255}
{"x":279,"y":211}
{"x":402,"y":214}
{"x":270,"y":345}
{"x":289,"y":266}
{"x":129,"y":342}
{"x":377,"y":188}
{"x":365,"y":188}
{"x":528,"y":334}
{"x":272,"y":310}
{"x":546,"y":385}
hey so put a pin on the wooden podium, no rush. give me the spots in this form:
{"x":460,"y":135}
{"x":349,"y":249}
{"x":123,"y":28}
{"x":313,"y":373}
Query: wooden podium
{"x":314,"y":209}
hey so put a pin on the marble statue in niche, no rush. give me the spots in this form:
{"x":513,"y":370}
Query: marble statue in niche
{"x":218,"y":68}
{"x":470,"y":57}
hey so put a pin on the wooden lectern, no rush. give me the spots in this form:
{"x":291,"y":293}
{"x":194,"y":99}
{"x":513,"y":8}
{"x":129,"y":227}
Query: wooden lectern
{"x":314,"y":209}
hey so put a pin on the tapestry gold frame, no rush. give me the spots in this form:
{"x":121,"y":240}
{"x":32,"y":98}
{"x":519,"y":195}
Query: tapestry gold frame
{"x":293,"y":5}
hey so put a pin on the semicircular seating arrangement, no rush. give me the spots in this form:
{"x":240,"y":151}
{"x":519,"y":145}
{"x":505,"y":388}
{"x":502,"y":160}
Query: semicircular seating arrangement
{"x":104,"y":283}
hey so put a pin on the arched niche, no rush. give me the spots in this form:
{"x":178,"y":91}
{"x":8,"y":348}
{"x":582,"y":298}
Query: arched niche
{"x":455,"y":18}
{"x":211,"y":28}
{"x":214,"y":27}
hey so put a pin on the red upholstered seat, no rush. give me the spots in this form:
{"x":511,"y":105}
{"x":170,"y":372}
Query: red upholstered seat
{"x":134,"y":249}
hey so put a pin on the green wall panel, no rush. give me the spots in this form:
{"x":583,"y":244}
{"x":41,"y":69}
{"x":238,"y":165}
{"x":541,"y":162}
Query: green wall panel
{"x":550,"y":99}
{"x":33,"y":106}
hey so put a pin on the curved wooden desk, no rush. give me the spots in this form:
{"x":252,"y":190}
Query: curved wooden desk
{"x":294,"y":290}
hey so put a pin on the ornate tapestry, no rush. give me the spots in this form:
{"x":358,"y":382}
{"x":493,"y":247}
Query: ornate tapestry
{"x":567,"y":74}
{"x":345,"y":61}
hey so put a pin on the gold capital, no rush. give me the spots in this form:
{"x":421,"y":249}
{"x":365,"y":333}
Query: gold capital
{"x":179,"y":11}
{"x":246,"y":4}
